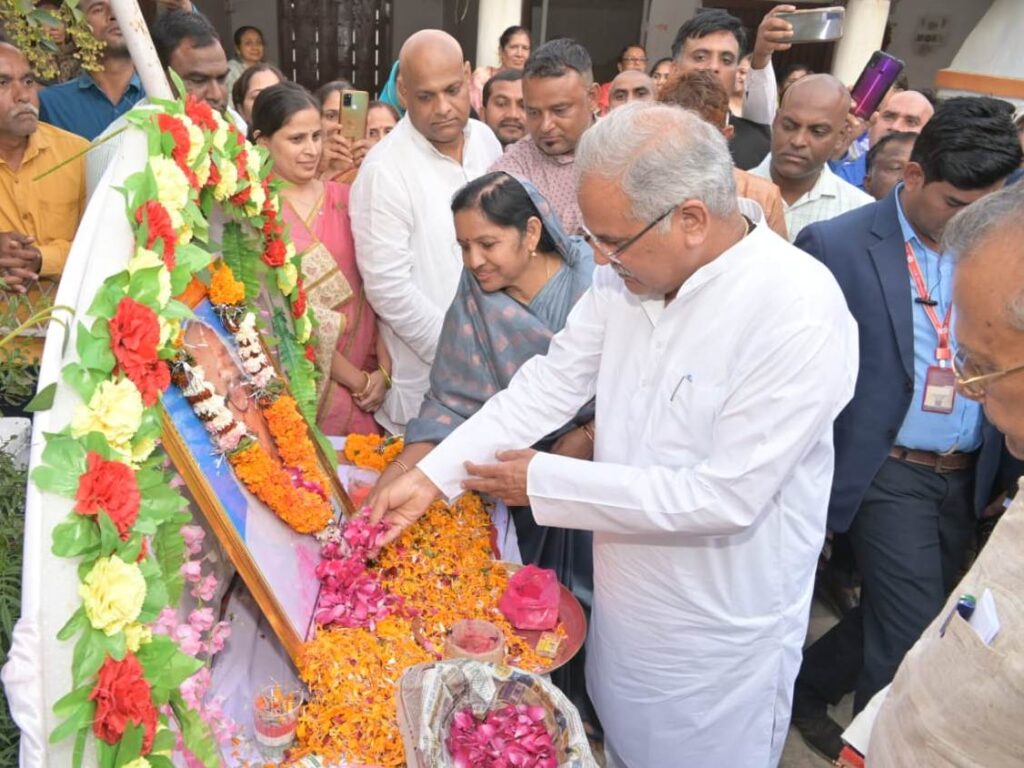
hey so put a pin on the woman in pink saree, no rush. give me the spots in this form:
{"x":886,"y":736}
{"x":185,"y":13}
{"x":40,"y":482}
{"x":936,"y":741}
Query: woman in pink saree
{"x":354,"y":367}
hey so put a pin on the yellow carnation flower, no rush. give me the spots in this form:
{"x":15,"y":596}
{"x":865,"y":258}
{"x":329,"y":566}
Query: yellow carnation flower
{"x":172,"y":188}
{"x":138,"y":762}
{"x":196,"y":139}
{"x":115,"y":411}
{"x":147,"y":259}
{"x":287,"y":277}
{"x":228,"y":181}
{"x":141,"y":450}
{"x":112,"y":594}
{"x":137,"y":635}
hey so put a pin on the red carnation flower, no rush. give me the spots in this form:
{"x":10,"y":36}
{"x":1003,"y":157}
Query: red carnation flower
{"x":110,"y":486}
{"x":241,"y":163}
{"x":310,"y":353}
{"x":200,"y":113}
{"x":123,"y":696}
{"x":159,"y":227}
{"x":134,"y":336}
{"x":214,"y":178}
{"x":275,"y":254}
{"x":299,"y":305}
{"x":242,"y":197}
{"x":179,"y":134}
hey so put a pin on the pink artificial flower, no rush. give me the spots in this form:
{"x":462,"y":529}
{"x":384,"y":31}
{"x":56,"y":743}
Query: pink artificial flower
{"x":166,"y":622}
{"x":205,"y":589}
{"x":194,"y":536}
{"x":194,"y":689}
{"x":201,"y":619}
{"x":218,"y":636}
{"x":188,"y":639}
{"x":192,"y":571}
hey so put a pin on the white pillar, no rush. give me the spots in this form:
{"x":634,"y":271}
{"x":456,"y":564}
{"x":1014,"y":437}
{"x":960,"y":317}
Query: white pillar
{"x":862,"y":36}
{"x":495,"y":17}
{"x":140,"y":46}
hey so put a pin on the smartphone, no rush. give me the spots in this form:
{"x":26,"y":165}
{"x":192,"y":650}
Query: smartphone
{"x":815,"y":25}
{"x":352,"y":115}
{"x":874,"y":82}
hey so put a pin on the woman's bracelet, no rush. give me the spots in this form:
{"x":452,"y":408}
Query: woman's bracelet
{"x":588,"y":431}
{"x":366,"y":388}
{"x":387,"y":377}
{"x":402,"y":465}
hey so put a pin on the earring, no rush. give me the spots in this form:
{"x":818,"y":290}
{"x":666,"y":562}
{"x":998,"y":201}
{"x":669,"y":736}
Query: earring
{"x":533,"y":252}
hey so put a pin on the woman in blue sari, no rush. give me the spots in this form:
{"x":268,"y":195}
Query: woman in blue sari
{"x":522,"y":277}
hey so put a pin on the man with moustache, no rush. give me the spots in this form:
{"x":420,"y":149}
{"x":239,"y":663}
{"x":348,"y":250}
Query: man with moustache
{"x":886,"y":161}
{"x":503,"y":107}
{"x":401,"y":221}
{"x":713,"y":455}
{"x":560,"y":95}
{"x":38,"y":219}
{"x":956,"y":700}
{"x":90,"y":102}
{"x":807,"y":125}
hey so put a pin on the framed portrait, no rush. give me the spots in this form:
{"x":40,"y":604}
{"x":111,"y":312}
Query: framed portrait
{"x":275,"y":560}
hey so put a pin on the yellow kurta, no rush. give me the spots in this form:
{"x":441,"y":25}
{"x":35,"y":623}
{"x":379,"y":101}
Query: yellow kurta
{"x":49,"y":210}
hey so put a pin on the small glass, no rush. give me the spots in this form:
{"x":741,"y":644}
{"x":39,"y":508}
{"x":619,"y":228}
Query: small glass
{"x":476,"y":639}
{"x":275,"y":718}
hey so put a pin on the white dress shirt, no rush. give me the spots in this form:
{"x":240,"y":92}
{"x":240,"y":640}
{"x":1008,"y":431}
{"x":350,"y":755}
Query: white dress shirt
{"x":761,"y":98}
{"x":406,"y":251}
{"x":829,"y":197}
{"x":707,"y":494}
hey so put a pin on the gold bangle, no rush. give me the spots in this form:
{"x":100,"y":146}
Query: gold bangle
{"x":402,"y":464}
{"x":387,"y":377}
{"x":588,"y":431}
{"x":366,"y":387}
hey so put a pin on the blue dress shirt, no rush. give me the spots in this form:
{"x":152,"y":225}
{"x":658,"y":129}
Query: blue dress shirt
{"x":79,"y":106}
{"x":853,"y":171}
{"x":923,"y":430}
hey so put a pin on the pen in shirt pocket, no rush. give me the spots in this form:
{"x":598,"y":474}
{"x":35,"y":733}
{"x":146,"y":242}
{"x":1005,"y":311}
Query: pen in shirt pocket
{"x":687,"y":378}
{"x":964,"y":606}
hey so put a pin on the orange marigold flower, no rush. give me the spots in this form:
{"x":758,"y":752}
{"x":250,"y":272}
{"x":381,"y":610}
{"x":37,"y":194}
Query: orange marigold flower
{"x":302,"y":509}
{"x":224,"y":288}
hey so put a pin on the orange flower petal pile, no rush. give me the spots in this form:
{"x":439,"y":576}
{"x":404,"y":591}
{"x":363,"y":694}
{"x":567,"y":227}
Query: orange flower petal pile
{"x":372,"y":451}
{"x":443,"y":569}
{"x":303,"y":510}
{"x":224,"y":288}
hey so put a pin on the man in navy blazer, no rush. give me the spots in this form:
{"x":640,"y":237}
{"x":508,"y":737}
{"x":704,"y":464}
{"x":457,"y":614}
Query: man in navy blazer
{"x":914,"y":462}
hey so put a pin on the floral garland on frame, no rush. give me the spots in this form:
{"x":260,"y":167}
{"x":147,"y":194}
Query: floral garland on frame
{"x":130,"y":685}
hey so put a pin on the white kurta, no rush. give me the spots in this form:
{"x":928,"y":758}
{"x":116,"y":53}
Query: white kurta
{"x":406,"y":251}
{"x":707,"y":495}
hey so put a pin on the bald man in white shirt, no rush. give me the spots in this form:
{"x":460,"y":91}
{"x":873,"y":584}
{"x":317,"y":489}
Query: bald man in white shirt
{"x":401,"y":221}
{"x":719,"y":356}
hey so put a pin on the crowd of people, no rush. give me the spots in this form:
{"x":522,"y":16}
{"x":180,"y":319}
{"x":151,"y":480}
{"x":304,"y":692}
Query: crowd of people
{"x":695,"y":325}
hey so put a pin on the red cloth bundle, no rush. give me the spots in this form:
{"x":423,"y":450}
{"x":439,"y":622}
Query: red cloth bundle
{"x":531,"y":600}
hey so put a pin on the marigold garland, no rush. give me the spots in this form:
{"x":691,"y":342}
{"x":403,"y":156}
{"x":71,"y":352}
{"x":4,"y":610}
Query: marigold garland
{"x":291,"y":436}
{"x":224,"y":288}
{"x":373,"y":451}
{"x":302,"y":509}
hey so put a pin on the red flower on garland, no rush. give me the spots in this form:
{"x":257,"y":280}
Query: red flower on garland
{"x":159,"y":227}
{"x":110,"y":486}
{"x":134,"y":337}
{"x":275,"y":254}
{"x":242,"y":197}
{"x":310,"y":353}
{"x":200,"y":113}
{"x":214,"y":178}
{"x":299,"y":305}
{"x":241,"y":163}
{"x":176,"y":129}
{"x":123,"y":696}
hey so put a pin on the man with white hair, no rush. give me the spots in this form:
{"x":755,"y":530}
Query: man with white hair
{"x":713,"y":453}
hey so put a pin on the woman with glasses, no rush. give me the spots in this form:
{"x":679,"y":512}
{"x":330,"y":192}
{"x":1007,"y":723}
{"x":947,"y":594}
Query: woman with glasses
{"x":522,"y":277}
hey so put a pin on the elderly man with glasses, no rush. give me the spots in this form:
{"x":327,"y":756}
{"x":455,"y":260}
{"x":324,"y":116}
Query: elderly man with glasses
{"x":719,"y":356}
{"x":957,"y":698}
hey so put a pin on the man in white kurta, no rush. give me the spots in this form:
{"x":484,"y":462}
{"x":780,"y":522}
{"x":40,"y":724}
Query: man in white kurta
{"x":402,"y":219}
{"x":713,"y":458}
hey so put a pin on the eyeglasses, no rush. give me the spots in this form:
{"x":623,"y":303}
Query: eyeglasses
{"x":635,"y":60}
{"x":615,"y":256}
{"x":973,"y":386}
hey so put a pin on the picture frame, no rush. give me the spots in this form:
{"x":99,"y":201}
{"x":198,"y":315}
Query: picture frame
{"x":276,"y":563}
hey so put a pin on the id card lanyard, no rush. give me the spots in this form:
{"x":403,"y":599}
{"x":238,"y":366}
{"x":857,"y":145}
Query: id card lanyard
{"x":939,"y":381}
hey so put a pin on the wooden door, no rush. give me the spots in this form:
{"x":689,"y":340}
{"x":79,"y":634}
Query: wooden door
{"x":324,"y":40}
